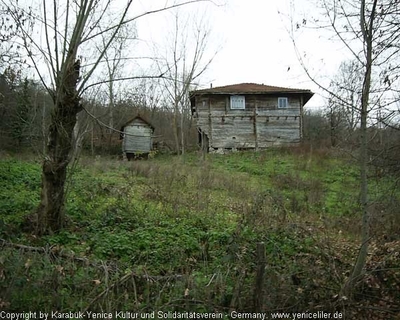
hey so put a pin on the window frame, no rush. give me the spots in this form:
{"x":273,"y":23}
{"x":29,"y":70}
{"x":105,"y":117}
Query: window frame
{"x":234,"y":103}
{"x":280,"y":99}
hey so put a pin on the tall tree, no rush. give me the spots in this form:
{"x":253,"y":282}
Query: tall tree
{"x":115,"y":62}
{"x":65,"y":63}
{"x":185,"y":59}
{"x":344,"y":104}
{"x":9,"y":31}
{"x":368,"y":30}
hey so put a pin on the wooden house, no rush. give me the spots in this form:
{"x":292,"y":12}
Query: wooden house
{"x":248,"y":116}
{"x":137,"y":135}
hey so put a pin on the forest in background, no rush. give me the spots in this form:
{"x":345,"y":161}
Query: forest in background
{"x":25,"y":108}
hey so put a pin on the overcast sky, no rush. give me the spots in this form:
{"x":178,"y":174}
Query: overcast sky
{"x":254,"y":44}
{"x":252,"y":40}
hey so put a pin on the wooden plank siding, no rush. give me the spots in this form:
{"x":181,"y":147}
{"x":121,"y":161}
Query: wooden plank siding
{"x":254,"y":122}
{"x":260,"y":125}
{"x":137,"y":137}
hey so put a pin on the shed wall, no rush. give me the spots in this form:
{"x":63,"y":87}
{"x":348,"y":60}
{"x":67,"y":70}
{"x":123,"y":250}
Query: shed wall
{"x":137,"y":137}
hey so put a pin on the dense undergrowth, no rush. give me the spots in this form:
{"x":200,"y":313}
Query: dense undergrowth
{"x":177,"y":234}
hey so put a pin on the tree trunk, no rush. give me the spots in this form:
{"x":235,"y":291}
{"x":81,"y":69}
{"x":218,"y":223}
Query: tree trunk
{"x":333,"y":125}
{"x":182,"y":133}
{"x":44,"y":131}
{"x":175,"y":128}
{"x":363,"y":157}
{"x":111,"y":112}
{"x":50,"y":213}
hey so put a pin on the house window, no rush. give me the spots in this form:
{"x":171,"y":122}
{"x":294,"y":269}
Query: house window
{"x":237,"y":102}
{"x":282,"y":103}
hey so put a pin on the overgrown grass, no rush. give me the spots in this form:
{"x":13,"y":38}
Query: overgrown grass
{"x":19,"y":192}
{"x":181,"y":234}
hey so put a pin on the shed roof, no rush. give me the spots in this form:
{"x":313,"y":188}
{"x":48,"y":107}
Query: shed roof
{"x":253,"y":88}
{"x":137,"y":117}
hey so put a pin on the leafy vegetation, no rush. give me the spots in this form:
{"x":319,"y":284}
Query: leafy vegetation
{"x":176,"y":234}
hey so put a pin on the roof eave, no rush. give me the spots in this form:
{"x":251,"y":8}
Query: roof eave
{"x":306,"y":93}
{"x":135,"y":117}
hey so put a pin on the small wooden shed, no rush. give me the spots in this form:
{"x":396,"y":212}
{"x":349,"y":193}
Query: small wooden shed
{"x":137,"y":135}
{"x":248,"y":116}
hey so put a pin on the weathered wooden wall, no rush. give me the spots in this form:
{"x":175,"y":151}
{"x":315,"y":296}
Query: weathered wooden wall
{"x":137,"y":137}
{"x":260,"y":125}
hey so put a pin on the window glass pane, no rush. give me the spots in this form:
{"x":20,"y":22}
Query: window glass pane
{"x":282,"y":102}
{"x":237,"y":102}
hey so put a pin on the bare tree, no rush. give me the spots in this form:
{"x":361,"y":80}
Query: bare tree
{"x":344,"y":112}
{"x":185,"y":61}
{"x":369,"y":31}
{"x":115,"y":62}
{"x":9,"y":32}
{"x":66,"y":64}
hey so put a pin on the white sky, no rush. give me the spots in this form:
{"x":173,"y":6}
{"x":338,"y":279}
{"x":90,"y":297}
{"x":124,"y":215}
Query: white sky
{"x":252,"y":41}
{"x":255,"y":46}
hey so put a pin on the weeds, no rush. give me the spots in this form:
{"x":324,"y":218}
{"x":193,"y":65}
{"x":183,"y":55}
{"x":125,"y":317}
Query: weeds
{"x":167,"y":234}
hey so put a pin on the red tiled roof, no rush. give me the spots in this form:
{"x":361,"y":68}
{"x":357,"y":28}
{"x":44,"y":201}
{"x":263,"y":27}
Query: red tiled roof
{"x":249,"y":88}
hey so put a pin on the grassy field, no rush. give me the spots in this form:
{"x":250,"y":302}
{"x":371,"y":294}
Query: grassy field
{"x":180,"y":234}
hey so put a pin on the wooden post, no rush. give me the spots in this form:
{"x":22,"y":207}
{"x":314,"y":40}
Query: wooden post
{"x":203,"y":146}
{"x":255,"y":126}
{"x":260,"y":274}
{"x":301,"y":119}
{"x":92,"y":141}
{"x":209,"y":123}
